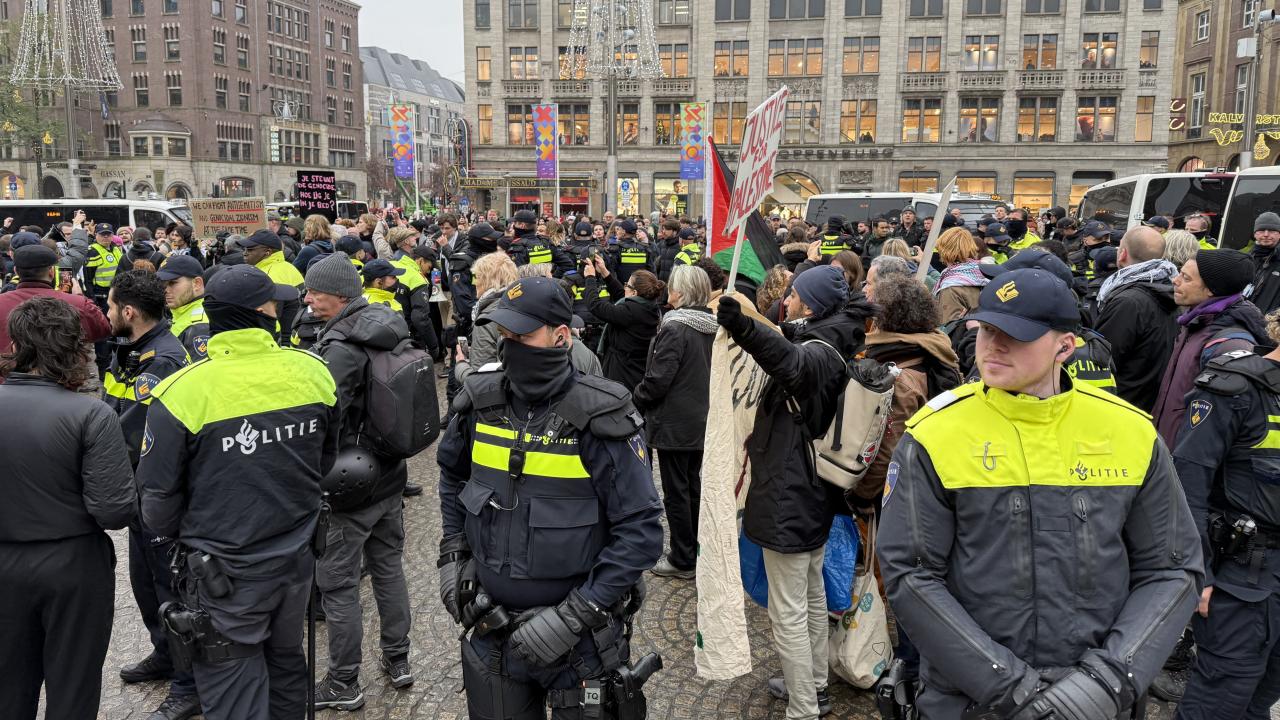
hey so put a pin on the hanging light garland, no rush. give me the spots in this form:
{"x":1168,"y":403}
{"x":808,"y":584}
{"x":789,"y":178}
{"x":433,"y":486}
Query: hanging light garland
{"x":612,"y":38}
{"x":63,"y":44}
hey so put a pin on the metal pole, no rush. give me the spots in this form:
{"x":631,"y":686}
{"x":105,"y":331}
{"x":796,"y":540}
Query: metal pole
{"x":611,"y":162}
{"x":73,"y":163}
{"x":1250,"y":99}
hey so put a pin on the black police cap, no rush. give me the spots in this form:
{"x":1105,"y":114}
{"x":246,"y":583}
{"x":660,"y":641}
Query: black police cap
{"x":1025,"y":304}
{"x":375,"y":269}
{"x":531,"y":303}
{"x":262,"y":237}
{"x":180,"y":266}
{"x":246,"y":286}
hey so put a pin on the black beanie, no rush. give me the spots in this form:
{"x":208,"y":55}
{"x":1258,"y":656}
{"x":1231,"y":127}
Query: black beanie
{"x":1224,"y":272}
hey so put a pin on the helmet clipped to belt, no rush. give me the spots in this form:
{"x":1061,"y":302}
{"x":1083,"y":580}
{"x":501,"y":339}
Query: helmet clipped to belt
{"x":352,"y":480}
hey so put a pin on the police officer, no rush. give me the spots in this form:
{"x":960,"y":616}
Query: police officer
{"x":690,"y":250}
{"x":529,"y":248}
{"x":145,"y":354}
{"x":1228,"y":458}
{"x":263,"y":250}
{"x":380,"y":280}
{"x":583,"y":239}
{"x":550,"y":520}
{"x":629,"y":255}
{"x":835,"y":239}
{"x":234,"y":475}
{"x":482,"y":240}
{"x":184,"y":295}
{"x":104,"y":261}
{"x":413,"y":290}
{"x":1094,"y":236}
{"x":997,"y":240}
{"x":1062,"y":491}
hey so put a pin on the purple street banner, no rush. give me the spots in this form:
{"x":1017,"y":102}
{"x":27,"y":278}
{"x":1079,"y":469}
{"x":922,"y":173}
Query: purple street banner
{"x":691,"y":136}
{"x":402,"y":140}
{"x":546,"y":123}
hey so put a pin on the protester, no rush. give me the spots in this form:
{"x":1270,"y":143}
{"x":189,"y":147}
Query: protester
{"x":897,"y":247}
{"x":67,"y":478}
{"x":772,"y":291}
{"x":788,"y":509}
{"x":1265,"y":291}
{"x":1137,"y":314}
{"x":961,"y":281}
{"x":630,"y":316}
{"x":1217,"y":320}
{"x":881,"y":267}
{"x":1179,"y":247}
{"x":492,"y":274}
{"x":674,"y":399}
{"x":317,"y":239}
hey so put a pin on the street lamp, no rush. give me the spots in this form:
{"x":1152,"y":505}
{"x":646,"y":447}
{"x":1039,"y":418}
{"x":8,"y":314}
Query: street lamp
{"x":1265,"y":17}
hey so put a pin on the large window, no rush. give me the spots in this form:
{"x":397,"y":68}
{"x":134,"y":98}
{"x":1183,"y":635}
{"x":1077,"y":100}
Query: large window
{"x":1149,"y":53}
{"x":666,"y":123}
{"x":484,"y":60}
{"x":979,"y":119}
{"x":484,"y":124}
{"x":220,"y":46}
{"x":918,"y":182}
{"x":628,"y":124}
{"x":673,"y":12}
{"x":1039,"y":52}
{"x":1096,"y":118}
{"x":141,"y":91}
{"x":1041,"y":7}
{"x":982,"y":7}
{"x":981,"y":52}
{"x":674,"y":59}
{"x":1248,"y":12}
{"x":173,"y":83}
{"x":482,"y":20}
{"x":796,"y":9}
{"x":522,"y":14}
{"x":727,"y":121}
{"x":220,"y":92}
{"x":1092,"y":6}
{"x":523,"y":63}
{"x":245,"y":90}
{"x":1037,"y":119}
{"x":1242,"y":87}
{"x":858,"y":121}
{"x":976,"y":183}
{"x":565,"y":10}
{"x":861,"y":8}
{"x":1199,"y":86}
{"x":803,"y":123}
{"x":1146,"y":118}
{"x":575,"y":124}
{"x":795,"y":57}
{"x":861,"y":55}
{"x":733,"y":10}
{"x":572,"y":66}
{"x":921,"y":120}
{"x":1098,"y":51}
{"x":138,"y":36}
{"x":172,"y":46}
{"x":519,"y":124}
{"x":924,"y":54}
{"x":1033,"y":191}
{"x":731,"y":58}
{"x":1202,"y":26}
{"x":924,"y":8}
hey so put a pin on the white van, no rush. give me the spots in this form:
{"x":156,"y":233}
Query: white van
{"x":865,"y":206}
{"x":1256,"y":190}
{"x":150,"y":214}
{"x":1126,"y":202}
{"x":349,"y":209}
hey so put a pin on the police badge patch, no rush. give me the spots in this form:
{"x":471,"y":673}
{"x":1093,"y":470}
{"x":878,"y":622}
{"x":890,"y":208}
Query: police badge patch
{"x":890,"y":482}
{"x":201,"y":345}
{"x":637,"y":446}
{"x":143,"y":386}
{"x":147,"y":440}
{"x":1198,"y":411}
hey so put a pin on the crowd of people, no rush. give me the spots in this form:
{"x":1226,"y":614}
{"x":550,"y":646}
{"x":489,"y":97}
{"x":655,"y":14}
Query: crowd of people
{"x":1085,"y":412}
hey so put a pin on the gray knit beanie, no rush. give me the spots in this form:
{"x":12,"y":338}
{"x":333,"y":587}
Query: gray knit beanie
{"x":335,"y":275}
{"x":1267,"y":221}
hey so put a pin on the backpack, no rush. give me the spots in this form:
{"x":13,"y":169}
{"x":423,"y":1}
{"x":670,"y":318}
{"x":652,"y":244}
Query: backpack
{"x":844,"y":453}
{"x":402,"y":414}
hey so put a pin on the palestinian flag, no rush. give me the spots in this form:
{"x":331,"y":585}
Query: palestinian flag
{"x":760,"y":250}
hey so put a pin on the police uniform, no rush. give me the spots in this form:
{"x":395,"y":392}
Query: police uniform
{"x":1228,"y":458}
{"x":189,"y":325}
{"x":102,"y":265}
{"x":281,"y":272}
{"x":629,"y":255}
{"x":690,"y":252}
{"x":835,"y":240}
{"x":234,"y":474}
{"x":377,"y":269}
{"x":551,"y":504}
{"x":1071,"y":502}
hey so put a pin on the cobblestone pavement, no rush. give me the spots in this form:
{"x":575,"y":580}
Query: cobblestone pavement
{"x":667,"y":625}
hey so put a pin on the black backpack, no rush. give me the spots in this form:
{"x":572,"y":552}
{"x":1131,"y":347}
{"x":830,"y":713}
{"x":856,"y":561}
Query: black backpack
{"x":402,"y":415}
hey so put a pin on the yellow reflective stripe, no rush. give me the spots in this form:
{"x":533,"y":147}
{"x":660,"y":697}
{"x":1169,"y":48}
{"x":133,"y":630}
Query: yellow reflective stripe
{"x":491,"y":456}
{"x":117,"y":389}
{"x":1272,"y":439}
{"x":539,"y":256}
{"x":634,"y":258}
{"x":554,"y":465}
{"x":495,"y":431}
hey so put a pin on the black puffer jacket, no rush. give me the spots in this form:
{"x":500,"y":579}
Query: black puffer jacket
{"x":1140,"y":320}
{"x":674,"y":392}
{"x":789,"y":509}
{"x":631,"y":323}
{"x":1266,"y":281}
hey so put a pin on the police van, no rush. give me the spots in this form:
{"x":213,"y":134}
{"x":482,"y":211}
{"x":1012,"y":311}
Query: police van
{"x":150,"y":214}
{"x":859,"y":207}
{"x":350,"y":209}
{"x":1125,"y":202}
{"x":1256,"y":190}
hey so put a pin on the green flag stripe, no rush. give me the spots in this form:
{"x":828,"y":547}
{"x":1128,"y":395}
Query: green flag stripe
{"x":749,"y":265}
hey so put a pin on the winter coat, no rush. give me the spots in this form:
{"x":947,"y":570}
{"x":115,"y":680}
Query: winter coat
{"x":1265,"y":292}
{"x":794,"y":253}
{"x":631,"y":323}
{"x":664,"y":252}
{"x":929,"y":366}
{"x":957,"y":301}
{"x":1205,"y":334}
{"x":1140,"y":320}
{"x":913,"y":236}
{"x":674,"y":394}
{"x":484,"y":338}
{"x":314,"y":249}
{"x":789,"y":509}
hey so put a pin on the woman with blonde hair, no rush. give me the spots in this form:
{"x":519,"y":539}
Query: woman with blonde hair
{"x":897,"y":247}
{"x":962,"y":281}
{"x":317,"y":240}
{"x":493,"y":273}
{"x":1180,"y":246}
{"x":775,"y":286}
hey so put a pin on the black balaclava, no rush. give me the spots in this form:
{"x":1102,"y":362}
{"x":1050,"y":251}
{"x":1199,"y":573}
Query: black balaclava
{"x":534,"y":373}
{"x":224,"y":317}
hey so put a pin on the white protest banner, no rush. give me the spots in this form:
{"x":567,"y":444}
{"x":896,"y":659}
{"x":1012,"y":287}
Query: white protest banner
{"x":238,"y":216}
{"x":927,"y":255}
{"x":754,"y":178}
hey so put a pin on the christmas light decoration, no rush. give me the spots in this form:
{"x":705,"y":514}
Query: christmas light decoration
{"x":64,"y":46}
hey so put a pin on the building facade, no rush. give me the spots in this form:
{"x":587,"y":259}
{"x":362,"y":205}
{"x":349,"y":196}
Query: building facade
{"x":221,"y":98}
{"x":1211,"y":81}
{"x":437,"y":103}
{"x":1031,"y":100}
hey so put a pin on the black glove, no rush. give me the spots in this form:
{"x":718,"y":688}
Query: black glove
{"x":551,"y":633}
{"x":730,"y":316}
{"x":1078,"y":695}
{"x":457,"y":577}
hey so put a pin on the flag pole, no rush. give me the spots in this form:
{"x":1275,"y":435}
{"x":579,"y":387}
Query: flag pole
{"x":737,"y":255}
{"x":926,"y":257}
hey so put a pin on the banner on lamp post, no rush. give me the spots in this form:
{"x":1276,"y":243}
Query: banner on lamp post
{"x":691,"y":153}
{"x":546,"y":123}
{"x":402,"y":145}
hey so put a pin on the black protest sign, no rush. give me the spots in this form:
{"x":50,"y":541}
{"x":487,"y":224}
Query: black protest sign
{"x":317,"y":193}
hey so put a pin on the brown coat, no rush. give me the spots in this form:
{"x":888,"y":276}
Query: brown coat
{"x":910,"y":391}
{"x":957,"y":301}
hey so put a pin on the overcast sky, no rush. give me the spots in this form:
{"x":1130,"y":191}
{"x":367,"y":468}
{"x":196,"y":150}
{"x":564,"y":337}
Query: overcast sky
{"x":429,"y":30}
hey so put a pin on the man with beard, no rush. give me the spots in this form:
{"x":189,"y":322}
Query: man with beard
{"x":184,"y":295}
{"x":146,"y":354}
{"x":1265,"y":291}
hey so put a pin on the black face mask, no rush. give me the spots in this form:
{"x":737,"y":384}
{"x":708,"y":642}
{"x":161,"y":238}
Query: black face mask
{"x":1201,"y":234}
{"x":224,"y":317}
{"x":534,"y":373}
{"x":1016,"y":228}
{"x":523,"y":232}
{"x":1092,"y":250}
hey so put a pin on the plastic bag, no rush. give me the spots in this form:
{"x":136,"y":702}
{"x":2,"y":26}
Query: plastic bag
{"x":754,"y":579}
{"x":837,"y":566}
{"x":860,"y":649}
